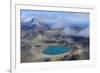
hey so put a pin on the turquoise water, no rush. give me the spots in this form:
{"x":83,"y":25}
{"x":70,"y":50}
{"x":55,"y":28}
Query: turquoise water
{"x":55,"y":50}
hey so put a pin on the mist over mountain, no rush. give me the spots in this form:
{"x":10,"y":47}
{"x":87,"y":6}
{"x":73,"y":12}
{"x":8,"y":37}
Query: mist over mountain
{"x":72,"y":23}
{"x":84,"y":32}
{"x":68,"y":29}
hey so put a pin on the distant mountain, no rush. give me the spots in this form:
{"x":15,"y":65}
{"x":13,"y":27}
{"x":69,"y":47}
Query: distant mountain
{"x":81,"y":40}
{"x":30,"y":34}
{"x":78,"y":26}
{"x":40,"y":26}
{"x":35,"y":24}
{"x":76,"y":38}
{"x":75,"y":28}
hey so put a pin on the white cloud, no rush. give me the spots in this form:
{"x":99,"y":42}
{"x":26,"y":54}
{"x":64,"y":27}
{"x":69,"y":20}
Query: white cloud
{"x":68,"y":31}
{"x":60,"y":23}
{"x":84,"y":33}
{"x":26,"y":19}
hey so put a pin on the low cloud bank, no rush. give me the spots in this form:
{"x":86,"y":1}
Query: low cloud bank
{"x":84,"y":33}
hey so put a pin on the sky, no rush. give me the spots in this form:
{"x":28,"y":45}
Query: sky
{"x":57,"y":19}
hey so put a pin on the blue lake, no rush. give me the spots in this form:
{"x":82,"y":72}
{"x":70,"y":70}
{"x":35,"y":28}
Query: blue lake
{"x":55,"y":50}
